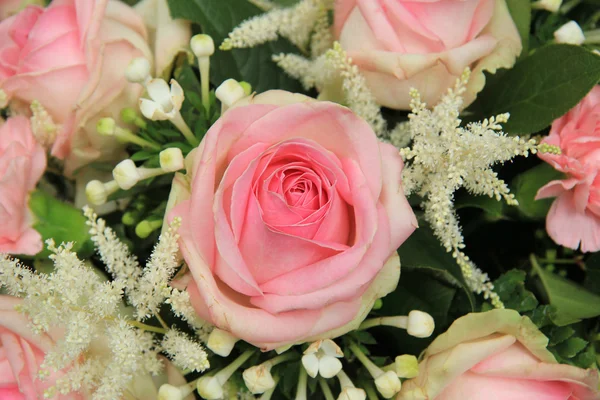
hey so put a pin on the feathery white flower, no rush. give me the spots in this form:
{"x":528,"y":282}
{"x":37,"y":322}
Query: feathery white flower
{"x":42,"y":125}
{"x":184,"y":352}
{"x":445,"y":156}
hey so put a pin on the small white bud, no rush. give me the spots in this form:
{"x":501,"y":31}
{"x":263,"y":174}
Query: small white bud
{"x":210,"y":388}
{"x":126,"y":174}
{"x":388,"y":384}
{"x":548,"y":5}
{"x":221,"y":342}
{"x":202,"y":45}
{"x":96,"y":193}
{"x":106,"y":127}
{"x":138,"y":70}
{"x":229,"y":92}
{"x":258,"y":379}
{"x":352,"y":393}
{"x":169,"y":392}
{"x":171,"y":159}
{"x":569,"y":33}
{"x":420,"y":324}
{"x":407,"y":366}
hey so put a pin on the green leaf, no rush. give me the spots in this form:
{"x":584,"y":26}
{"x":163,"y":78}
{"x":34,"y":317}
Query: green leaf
{"x":541,"y":87}
{"x":526,"y":185}
{"x":492,"y":207}
{"x":422,"y":250}
{"x":592,"y":278}
{"x":60,"y":221}
{"x":573,"y":303}
{"x":217,"y":19}
{"x":511,"y":289}
{"x":559,"y":334}
{"x":520,"y":11}
{"x":571,"y":347}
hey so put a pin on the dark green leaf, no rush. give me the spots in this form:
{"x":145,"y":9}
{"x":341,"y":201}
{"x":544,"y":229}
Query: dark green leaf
{"x":60,"y":221}
{"x":559,"y":334}
{"x":542,"y":87}
{"x":511,"y":289}
{"x":592,"y":279}
{"x":571,"y":347}
{"x":492,"y":207}
{"x":422,"y":250}
{"x":142,"y":155}
{"x":218,"y":18}
{"x":526,"y":185}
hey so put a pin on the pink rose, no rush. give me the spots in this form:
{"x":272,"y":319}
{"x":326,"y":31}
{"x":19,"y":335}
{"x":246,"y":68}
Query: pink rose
{"x":22,"y":353}
{"x":574,"y":218}
{"x":291,"y":220}
{"x":71,"y":57}
{"x":22,"y":164}
{"x":10,"y":7}
{"x":496,"y":355}
{"x":425,"y":44}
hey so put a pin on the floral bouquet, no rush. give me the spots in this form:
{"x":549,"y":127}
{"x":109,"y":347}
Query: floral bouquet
{"x":300,"y":199}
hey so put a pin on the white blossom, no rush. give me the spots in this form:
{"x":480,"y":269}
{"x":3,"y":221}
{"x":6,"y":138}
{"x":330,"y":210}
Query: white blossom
{"x":184,"y":352}
{"x":322,"y":358}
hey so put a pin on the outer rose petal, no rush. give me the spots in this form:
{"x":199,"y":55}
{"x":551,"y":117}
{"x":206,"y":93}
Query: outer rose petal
{"x":570,"y":228}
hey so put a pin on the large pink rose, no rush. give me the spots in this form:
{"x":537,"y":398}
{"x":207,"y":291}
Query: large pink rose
{"x":574,"y":218}
{"x":22,"y":164}
{"x":497,"y":355}
{"x":71,"y":57}
{"x":292,"y":214}
{"x":425,"y":44}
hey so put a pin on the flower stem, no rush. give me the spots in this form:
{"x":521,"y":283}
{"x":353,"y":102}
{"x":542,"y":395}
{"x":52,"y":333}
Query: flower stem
{"x":398,"y":322}
{"x":326,"y":389}
{"x":302,"y":379}
{"x":280,"y":359}
{"x":148,"y":328}
{"x":373,"y":369}
{"x":185,"y":130}
{"x":224,"y":374}
{"x":204,"y":64}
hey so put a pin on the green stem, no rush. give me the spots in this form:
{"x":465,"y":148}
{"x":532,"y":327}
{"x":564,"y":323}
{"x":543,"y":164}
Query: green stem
{"x":398,"y":322}
{"x":126,"y":135}
{"x":204,"y":64}
{"x":373,"y":369}
{"x":290,"y":355}
{"x":185,"y":130}
{"x":558,"y":261}
{"x":326,"y":389}
{"x":148,"y":328}
{"x":224,"y":374}
{"x":302,"y":379}
{"x":592,"y":36}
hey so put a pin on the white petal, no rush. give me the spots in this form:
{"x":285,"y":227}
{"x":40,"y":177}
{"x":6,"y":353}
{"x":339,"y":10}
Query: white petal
{"x":210,"y":388}
{"x":329,"y":366}
{"x":311,"y":364}
{"x":177,"y":95}
{"x":151,"y":110}
{"x":258,"y":379}
{"x":329,"y":348}
{"x":126,"y":174}
{"x":159,"y":91}
{"x":352,"y":394}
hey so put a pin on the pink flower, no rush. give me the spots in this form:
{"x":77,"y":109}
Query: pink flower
{"x":496,"y":355}
{"x":425,"y":44}
{"x":574,"y":218}
{"x":71,"y":57}
{"x":291,"y":220}
{"x":22,"y":164}
{"x":10,"y":7}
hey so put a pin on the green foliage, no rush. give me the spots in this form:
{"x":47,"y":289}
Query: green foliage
{"x":55,"y":219}
{"x":572,"y":302}
{"x":592,"y":279}
{"x":566,"y":342}
{"x":526,"y":185}
{"x":493,"y":209}
{"x":217,"y":19}
{"x":541,"y":87}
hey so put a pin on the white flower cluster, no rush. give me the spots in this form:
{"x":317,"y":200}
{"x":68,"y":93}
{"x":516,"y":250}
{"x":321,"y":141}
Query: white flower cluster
{"x":102,"y":350}
{"x":445,"y":157}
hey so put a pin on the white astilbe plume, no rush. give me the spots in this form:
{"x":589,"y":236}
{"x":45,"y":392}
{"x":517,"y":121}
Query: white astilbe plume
{"x":98,"y":351}
{"x":185,"y":352}
{"x":119,"y":262}
{"x":295,"y":23}
{"x":182,"y":307}
{"x":357,"y":94}
{"x":153,"y":286}
{"x":445,"y":157}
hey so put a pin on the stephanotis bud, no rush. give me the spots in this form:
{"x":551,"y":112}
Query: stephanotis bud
{"x":349,"y":391}
{"x":211,"y":387}
{"x":203,"y":47}
{"x":170,"y":392}
{"x":322,"y":358}
{"x":258,"y":378}
{"x":126,"y":174}
{"x":387,"y":383}
{"x":548,"y":5}
{"x":138,"y":71}
{"x":417,"y":323}
{"x":97,"y":192}
{"x":171,"y":159}
{"x":406,"y":366}
{"x":569,"y":33}
{"x":228,"y":93}
{"x":221,"y":342}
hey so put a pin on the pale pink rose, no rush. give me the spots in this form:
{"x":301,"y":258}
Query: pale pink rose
{"x":22,"y":353}
{"x":71,"y":57}
{"x":574,"y":218}
{"x":22,"y":164}
{"x":292,"y":213}
{"x":425,"y":44}
{"x":497,"y":355}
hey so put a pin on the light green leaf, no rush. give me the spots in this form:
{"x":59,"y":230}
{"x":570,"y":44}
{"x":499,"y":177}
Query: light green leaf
{"x":541,"y":87}
{"x":59,"y":221}
{"x":526,"y":185}
{"x":520,"y":11}
{"x":217,"y":18}
{"x":573,"y":303}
